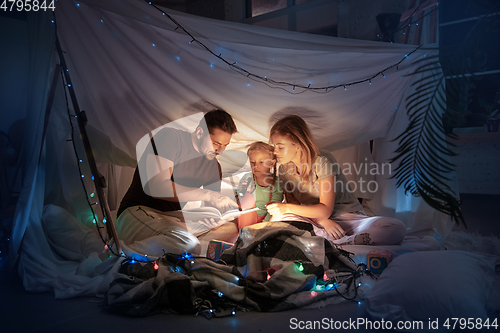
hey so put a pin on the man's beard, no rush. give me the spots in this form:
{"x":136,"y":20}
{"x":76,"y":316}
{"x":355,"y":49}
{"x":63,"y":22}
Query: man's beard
{"x":207,"y":152}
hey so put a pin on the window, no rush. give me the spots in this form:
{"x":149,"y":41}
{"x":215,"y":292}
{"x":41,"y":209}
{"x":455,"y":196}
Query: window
{"x":259,"y":7}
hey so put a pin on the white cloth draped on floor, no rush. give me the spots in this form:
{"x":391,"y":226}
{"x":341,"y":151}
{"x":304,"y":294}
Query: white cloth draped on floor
{"x":133,"y":71}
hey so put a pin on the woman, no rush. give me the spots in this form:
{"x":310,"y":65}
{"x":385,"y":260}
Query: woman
{"x":316,"y":188}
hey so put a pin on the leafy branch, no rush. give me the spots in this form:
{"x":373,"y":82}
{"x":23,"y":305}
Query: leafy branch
{"x":423,"y":150}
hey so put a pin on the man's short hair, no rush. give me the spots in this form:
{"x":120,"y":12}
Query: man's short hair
{"x":218,"y":119}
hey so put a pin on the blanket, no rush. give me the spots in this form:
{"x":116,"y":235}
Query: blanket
{"x":272,"y":266}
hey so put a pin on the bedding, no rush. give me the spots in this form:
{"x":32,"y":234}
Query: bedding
{"x":274,"y":248}
{"x":273,"y":266}
{"x":434,"y":285}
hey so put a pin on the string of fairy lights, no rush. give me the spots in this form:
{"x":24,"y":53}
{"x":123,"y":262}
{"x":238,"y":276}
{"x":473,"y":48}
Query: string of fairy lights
{"x":88,"y":196}
{"x":292,"y":88}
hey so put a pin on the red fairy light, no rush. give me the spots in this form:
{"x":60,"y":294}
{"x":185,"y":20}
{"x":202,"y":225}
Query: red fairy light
{"x":156,"y":266}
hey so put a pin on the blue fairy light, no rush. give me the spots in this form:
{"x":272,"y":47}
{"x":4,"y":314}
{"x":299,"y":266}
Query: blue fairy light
{"x":104,"y":220}
{"x":78,"y":4}
{"x":249,"y":85}
{"x":154,"y":45}
{"x":83,"y":176}
{"x":178,"y":58}
{"x":80,"y":161}
{"x":102,"y":21}
{"x":220,"y":294}
{"x":186,"y":255}
{"x":211,"y":65}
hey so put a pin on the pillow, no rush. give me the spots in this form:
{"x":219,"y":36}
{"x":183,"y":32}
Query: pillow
{"x":430,"y":285}
{"x":67,"y":236}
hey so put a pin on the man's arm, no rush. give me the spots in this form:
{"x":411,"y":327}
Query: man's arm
{"x":157,"y":182}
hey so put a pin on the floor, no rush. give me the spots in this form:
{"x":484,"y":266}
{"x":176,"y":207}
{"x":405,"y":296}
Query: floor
{"x":25,"y":312}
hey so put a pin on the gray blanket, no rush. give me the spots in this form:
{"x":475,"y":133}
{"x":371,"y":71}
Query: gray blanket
{"x":273,"y":266}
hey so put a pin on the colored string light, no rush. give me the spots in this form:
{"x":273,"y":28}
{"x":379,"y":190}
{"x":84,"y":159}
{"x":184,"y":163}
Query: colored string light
{"x":270,"y":82}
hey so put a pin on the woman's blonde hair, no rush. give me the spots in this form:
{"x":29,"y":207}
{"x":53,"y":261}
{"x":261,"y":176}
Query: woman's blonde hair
{"x":296,"y":129}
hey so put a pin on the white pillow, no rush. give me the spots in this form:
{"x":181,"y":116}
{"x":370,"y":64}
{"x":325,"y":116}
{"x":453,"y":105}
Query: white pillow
{"x":431,"y":285}
{"x":67,"y":236}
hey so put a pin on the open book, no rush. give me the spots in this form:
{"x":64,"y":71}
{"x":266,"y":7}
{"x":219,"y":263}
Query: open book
{"x":193,"y":216}
{"x":201,"y":213}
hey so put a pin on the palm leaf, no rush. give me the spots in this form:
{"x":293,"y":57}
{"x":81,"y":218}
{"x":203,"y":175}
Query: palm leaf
{"x":421,"y":171}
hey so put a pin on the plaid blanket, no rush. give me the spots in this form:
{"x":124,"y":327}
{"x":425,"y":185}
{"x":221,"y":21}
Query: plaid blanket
{"x":273,"y":266}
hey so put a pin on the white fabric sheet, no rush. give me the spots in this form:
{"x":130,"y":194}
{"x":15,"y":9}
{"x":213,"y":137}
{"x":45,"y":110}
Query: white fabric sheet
{"x":132,"y":72}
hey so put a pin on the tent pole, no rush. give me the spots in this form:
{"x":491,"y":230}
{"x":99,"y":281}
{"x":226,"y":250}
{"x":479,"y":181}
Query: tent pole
{"x":98,"y":180}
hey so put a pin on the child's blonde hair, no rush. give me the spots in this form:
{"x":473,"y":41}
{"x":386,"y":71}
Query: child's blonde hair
{"x":262,"y":147}
{"x":265,"y":148}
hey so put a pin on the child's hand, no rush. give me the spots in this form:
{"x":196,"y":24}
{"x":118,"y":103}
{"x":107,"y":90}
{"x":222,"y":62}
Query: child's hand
{"x":277,"y":208}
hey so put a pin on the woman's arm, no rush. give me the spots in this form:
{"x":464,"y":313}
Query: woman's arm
{"x":321,"y":211}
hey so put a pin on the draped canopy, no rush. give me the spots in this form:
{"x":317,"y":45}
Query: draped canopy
{"x":134,"y":70}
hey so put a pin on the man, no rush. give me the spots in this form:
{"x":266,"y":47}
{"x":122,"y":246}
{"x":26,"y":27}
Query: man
{"x":177,"y":167}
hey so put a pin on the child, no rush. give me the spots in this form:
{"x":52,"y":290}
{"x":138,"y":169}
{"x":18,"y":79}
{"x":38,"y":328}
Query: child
{"x":261,"y":186}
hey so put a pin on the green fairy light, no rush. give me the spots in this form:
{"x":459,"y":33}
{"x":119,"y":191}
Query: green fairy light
{"x":299,"y":266}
